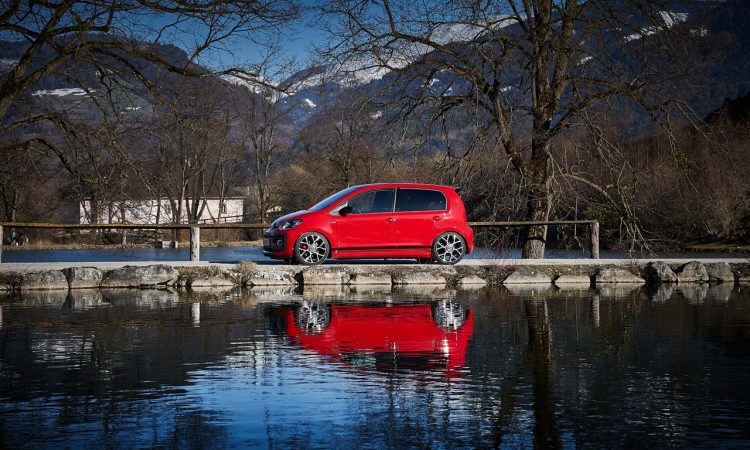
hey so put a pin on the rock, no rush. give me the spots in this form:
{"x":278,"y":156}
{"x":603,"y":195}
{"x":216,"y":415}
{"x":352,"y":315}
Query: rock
{"x":576,"y":281}
{"x":323,"y":277}
{"x":419,"y":278}
{"x":613,"y":275}
{"x":720,"y":272}
{"x":527,"y":276}
{"x":44,"y":280}
{"x":370,"y":279}
{"x":271,"y":277}
{"x":659,"y":272}
{"x":136,"y":276}
{"x":210,"y":282}
{"x":83,"y":277}
{"x":692,"y":272}
{"x":471,"y":282}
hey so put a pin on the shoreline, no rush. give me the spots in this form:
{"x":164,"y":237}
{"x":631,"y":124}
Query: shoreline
{"x":468,"y":274}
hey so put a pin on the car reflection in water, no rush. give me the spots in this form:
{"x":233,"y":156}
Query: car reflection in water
{"x":390,"y":338}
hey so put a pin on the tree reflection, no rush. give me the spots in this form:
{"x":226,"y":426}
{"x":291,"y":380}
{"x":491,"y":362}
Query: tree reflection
{"x":546,"y":430}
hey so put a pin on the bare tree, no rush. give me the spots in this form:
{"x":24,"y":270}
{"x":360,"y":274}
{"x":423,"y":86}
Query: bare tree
{"x":117,"y":33}
{"x":262,"y":133}
{"x":527,"y":70}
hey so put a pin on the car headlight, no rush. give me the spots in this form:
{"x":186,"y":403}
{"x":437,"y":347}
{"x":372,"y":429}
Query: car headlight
{"x":289,"y":224}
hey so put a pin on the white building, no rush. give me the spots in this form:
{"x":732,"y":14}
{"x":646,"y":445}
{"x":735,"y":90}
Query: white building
{"x":154,"y":211}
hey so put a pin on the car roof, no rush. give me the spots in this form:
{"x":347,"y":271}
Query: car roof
{"x":408,"y":185}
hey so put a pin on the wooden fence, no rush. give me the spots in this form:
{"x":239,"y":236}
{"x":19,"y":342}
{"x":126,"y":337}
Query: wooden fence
{"x":195,"y":229}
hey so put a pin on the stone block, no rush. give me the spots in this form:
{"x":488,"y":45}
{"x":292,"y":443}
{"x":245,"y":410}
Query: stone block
{"x":720,"y":272}
{"x":419,"y":278}
{"x":272,"y":277}
{"x":370,"y":279}
{"x":311,"y":277}
{"x":615,"y":275}
{"x":692,"y":272}
{"x":210,"y":282}
{"x":573,"y":281}
{"x":137,"y":276}
{"x":527,"y":276}
{"x":45,"y":280}
{"x":83,"y":277}
{"x":659,"y":272}
{"x":471,"y":281}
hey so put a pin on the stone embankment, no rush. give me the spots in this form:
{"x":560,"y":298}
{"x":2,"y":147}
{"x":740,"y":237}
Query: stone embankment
{"x":461,"y":276}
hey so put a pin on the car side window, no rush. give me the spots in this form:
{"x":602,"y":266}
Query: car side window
{"x":420,"y":200}
{"x":379,"y":201}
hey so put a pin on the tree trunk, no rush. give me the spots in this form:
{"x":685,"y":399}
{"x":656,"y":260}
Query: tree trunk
{"x":538,"y":208}
{"x":538,"y":205}
{"x":538,"y":200}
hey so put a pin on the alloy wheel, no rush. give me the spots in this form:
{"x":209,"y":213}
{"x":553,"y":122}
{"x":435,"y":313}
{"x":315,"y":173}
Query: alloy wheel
{"x":449,"y":248}
{"x":311,"y":248}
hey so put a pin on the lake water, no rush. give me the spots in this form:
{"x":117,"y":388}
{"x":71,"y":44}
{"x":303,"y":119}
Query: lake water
{"x":251,"y":253}
{"x":376,"y":369}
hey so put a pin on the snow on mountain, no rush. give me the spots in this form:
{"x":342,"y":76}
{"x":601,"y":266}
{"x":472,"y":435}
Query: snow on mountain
{"x":60,"y":92}
{"x":670,"y":19}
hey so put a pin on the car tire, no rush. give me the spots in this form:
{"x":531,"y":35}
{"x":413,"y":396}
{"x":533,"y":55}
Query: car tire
{"x":448,"y":248}
{"x":311,"y":249}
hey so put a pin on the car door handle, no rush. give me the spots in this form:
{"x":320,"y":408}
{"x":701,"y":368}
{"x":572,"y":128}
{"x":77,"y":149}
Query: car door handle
{"x":390,"y":219}
{"x":435,"y":218}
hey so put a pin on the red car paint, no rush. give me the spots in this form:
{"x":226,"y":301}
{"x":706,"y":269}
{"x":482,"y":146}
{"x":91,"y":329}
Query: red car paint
{"x":393,"y":234}
{"x":394,"y":330}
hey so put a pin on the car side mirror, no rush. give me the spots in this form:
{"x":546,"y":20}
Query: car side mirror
{"x":346,"y":210}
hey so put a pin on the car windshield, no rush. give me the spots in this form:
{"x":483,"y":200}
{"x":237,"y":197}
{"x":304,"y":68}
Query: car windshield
{"x":323,"y":204}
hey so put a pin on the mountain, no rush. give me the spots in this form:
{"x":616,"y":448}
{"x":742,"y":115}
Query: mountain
{"x":718,"y":29}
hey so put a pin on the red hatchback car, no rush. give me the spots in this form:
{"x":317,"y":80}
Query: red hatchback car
{"x":387,"y":220}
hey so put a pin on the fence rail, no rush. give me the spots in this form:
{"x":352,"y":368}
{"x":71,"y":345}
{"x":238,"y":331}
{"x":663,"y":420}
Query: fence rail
{"x":195,"y":229}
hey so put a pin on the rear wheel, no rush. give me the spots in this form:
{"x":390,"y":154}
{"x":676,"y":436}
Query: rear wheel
{"x":311,"y":249}
{"x":448,"y":248}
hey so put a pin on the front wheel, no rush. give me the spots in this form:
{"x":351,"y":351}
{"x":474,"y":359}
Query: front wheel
{"x":311,"y":249}
{"x":448,"y":248}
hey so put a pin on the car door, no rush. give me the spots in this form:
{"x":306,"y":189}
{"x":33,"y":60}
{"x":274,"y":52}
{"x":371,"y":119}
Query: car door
{"x":419,"y":216}
{"x":370,"y":226}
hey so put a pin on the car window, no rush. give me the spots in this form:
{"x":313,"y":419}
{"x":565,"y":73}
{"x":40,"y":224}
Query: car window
{"x":379,"y":201}
{"x":323,"y":204}
{"x":420,"y":200}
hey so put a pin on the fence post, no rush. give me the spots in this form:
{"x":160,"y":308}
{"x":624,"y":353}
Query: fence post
{"x":195,"y":243}
{"x":594,"y":240}
{"x":1,"y":243}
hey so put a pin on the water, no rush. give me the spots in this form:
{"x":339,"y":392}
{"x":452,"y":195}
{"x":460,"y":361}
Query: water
{"x":251,"y":253}
{"x":375,"y":369}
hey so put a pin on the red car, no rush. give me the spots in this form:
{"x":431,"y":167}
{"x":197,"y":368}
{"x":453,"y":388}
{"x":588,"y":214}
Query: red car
{"x":411,"y":336}
{"x":386,"y":220}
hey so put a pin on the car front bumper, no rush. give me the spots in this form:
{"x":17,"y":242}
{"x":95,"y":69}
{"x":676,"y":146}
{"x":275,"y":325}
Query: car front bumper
{"x":276,"y":245}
